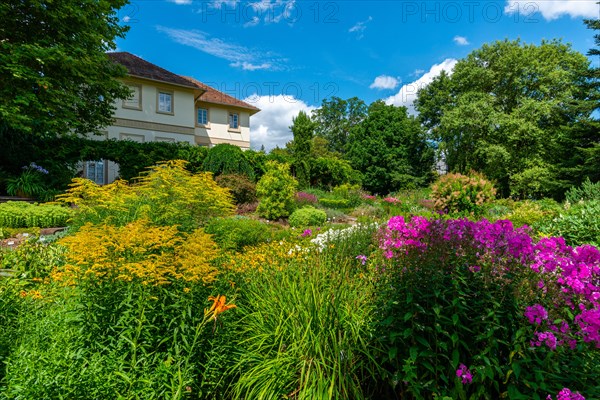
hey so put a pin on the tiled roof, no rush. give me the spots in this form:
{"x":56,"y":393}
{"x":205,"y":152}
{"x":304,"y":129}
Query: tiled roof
{"x":212,"y":95}
{"x":143,"y":69}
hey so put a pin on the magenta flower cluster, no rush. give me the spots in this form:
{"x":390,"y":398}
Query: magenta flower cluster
{"x":464,"y":374}
{"x":567,"y":394}
{"x":495,"y":248}
{"x":306,"y":233}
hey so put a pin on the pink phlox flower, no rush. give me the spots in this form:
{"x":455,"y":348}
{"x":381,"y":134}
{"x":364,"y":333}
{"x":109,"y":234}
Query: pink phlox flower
{"x":306,"y":233}
{"x":536,"y":314}
{"x":464,"y":374}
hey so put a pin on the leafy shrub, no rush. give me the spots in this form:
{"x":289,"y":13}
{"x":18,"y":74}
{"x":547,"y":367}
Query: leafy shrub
{"x":167,"y":194}
{"x":587,"y":191}
{"x":328,"y":172}
{"x":235,"y":233}
{"x":306,"y":199}
{"x":227,"y":159}
{"x":32,"y":259}
{"x":460,"y":194}
{"x":577,"y":225}
{"x":276,"y":191}
{"x":307,"y":216}
{"x":352,"y":193}
{"x":335,"y":203}
{"x":241,"y":188}
{"x":18,"y":214}
{"x":531,"y":213}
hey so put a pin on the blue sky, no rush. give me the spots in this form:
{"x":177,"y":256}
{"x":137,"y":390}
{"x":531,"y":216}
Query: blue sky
{"x":288,"y":55}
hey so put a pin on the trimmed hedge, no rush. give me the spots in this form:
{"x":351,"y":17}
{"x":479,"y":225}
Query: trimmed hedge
{"x":20,"y":214}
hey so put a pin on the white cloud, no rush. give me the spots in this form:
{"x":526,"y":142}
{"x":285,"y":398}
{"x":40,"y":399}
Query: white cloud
{"x":270,"y":127}
{"x":408,"y":93}
{"x":239,"y":56}
{"x":359,"y":27}
{"x":461,"y":40}
{"x":181,"y":2}
{"x":246,"y":66}
{"x":384,"y":82}
{"x":553,"y":9}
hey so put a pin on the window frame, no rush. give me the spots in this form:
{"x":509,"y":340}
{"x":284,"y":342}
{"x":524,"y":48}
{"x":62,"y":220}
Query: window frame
{"x":158,"y":102}
{"x":230,"y":128}
{"x":139,"y":105}
{"x":207,"y":124}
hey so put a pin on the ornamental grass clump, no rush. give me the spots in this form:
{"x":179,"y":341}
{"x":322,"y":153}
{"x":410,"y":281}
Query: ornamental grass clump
{"x":455,"y":293}
{"x":461,"y":194}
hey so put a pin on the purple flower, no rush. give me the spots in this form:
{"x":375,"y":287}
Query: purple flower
{"x":536,"y":314}
{"x":474,"y":268}
{"x":362,"y":258}
{"x":566,"y":394}
{"x":306,"y":233}
{"x":464,"y":373}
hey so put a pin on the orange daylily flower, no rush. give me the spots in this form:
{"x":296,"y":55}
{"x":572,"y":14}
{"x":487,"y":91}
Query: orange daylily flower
{"x":218,"y":306}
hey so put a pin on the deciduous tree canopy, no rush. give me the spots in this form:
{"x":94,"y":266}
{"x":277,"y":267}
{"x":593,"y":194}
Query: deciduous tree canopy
{"x":508,"y":110}
{"x":55,"y":77}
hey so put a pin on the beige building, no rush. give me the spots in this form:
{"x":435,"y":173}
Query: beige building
{"x":167,"y":107}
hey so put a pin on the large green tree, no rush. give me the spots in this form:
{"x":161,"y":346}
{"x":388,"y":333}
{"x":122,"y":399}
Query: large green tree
{"x":389,"y":148}
{"x":55,"y":77}
{"x":335,"y":118}
{"x":507,"y":111}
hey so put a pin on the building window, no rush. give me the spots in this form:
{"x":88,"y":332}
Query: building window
{"x":95,"y":171}
{"x":135,"y":100}
{"x":165,"y":102}
{"x":234,"y":121}
{"x":202,"y":116}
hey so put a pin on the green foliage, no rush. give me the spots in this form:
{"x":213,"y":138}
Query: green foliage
{"x":276,"y":191}
{"x":327,"y":172}
{"x":307,"y":216}
{"x":306,"y":332}
{"x":389,"y":148}
{"x":20,"y":214}
{"x":513,"y":112}
{"x":32,"y":258}
{"x":235,"y":233}
{"x":227,"y":159}
{"x":336,"y":118}
{"x":57,"y":78}
{"x":241,"y":188}
{"x":587,"y":191}
{"x":461,"y":194}
{"x":579,"y":224}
